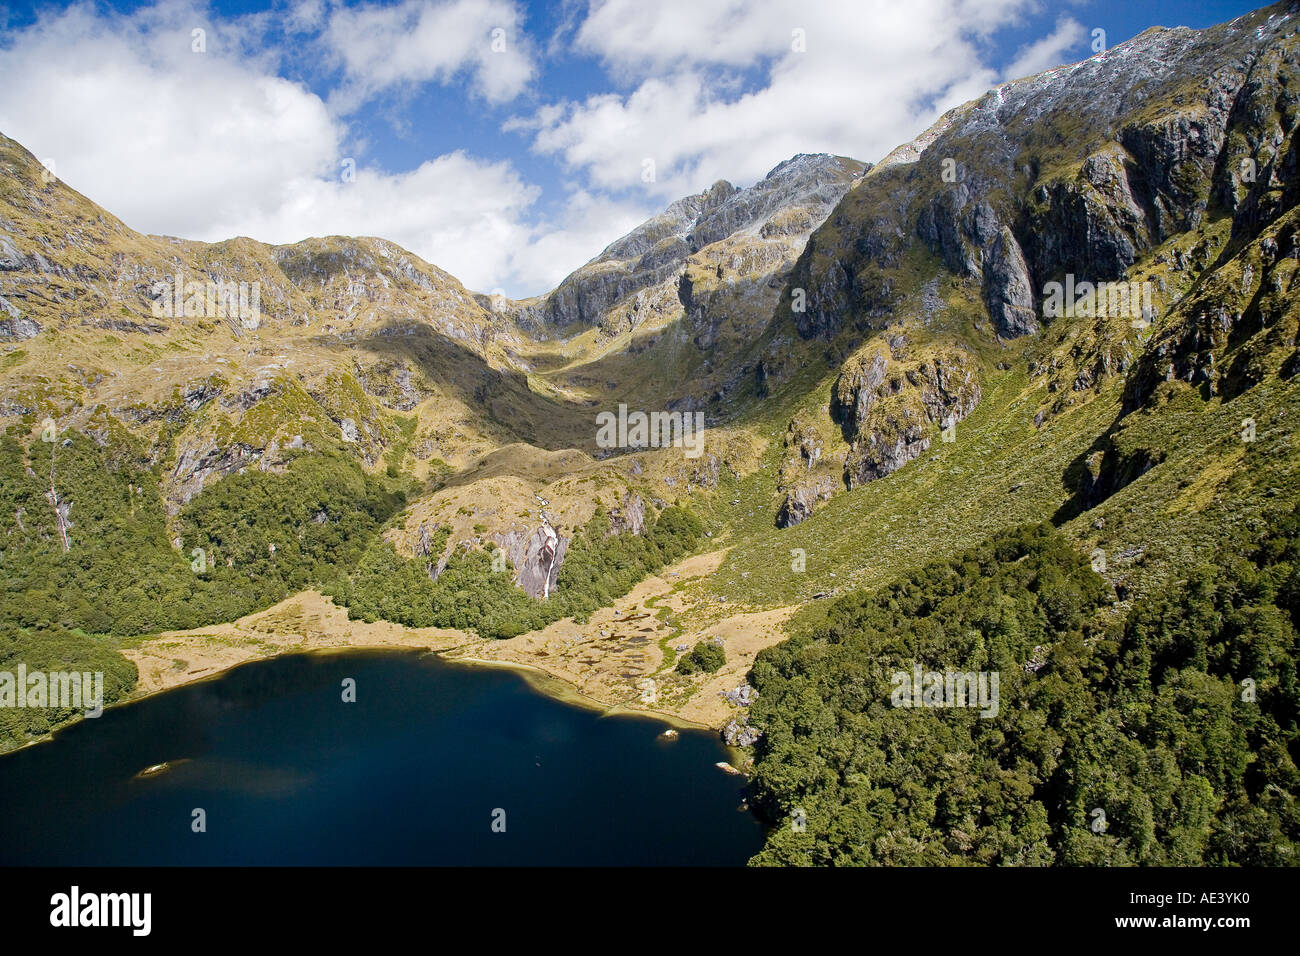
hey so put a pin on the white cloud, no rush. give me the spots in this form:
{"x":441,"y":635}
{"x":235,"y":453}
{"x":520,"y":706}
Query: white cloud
{"x":586,"y":224}
{"x":305,"y":16}
{"x":460,"y":213}
{"x":168,"y":139}
{"x":418,"y":41}
{"x":636,"y":38}
{"x":861,"y":77}
{"x":216,"y":144}
{"x":1048,"y":51}
{"x":208,"y":146}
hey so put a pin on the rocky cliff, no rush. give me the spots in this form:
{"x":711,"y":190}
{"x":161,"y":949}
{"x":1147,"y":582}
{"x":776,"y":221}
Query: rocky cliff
{"x":1082,"y":169}
{"x":788,"y":203}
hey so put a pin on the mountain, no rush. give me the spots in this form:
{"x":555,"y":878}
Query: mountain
{"x":758,"y":224}
{"x":1168,"y":161}
{"x":1067,"y":307}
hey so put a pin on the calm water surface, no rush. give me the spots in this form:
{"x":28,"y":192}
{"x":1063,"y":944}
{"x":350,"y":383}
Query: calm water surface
{"x":410,"y":774}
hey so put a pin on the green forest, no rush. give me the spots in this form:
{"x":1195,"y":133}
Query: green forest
{"x":705,"y":657}
{"x":50,"y":649}
{"x":469,"y":595}
{"x":1164,"y":733}
{"x":249,"y":540}
{"x":1166,"y":736}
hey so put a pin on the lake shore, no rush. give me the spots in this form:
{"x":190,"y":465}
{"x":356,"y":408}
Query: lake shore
{"x":411,"y":776}
{"x":619,"y":661}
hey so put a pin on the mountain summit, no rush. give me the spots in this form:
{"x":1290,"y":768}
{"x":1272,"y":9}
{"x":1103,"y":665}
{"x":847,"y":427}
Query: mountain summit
{"x":637,"y":271}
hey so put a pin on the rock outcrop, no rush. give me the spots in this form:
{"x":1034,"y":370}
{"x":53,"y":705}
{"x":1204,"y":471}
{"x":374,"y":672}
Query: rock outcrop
{"x":628,"y":517}
{"x":197,"y":466}
{"x":536,"y":557}
{"x":803,"y":497}
{"x":889,"y":396}
{"x":788,"y":203}
{"x":807,"y":475}
{"x":1079,"y":169}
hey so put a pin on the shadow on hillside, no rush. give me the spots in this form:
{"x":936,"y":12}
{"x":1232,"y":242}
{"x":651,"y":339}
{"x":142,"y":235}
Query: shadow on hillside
{"x":1088,"y":488}
{"x":662,"y":368}
{"x":665,"y":368}
{"x":501,"y":396}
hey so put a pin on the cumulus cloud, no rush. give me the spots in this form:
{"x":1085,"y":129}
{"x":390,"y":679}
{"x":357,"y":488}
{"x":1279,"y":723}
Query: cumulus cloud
{"x":585,"y":224}
{"x":382,"y":47}
{"x":853,"y":77}
{"x":170,"y":138}
{"x":462,"y":214}
{"x":213,"y":144}
{"x":1049,"y":51}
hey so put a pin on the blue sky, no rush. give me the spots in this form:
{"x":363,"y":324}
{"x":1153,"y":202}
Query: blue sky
{"x":505,"y":142}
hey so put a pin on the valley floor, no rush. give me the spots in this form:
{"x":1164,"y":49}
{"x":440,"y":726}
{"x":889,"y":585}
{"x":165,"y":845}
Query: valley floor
{"x":607,"y":661}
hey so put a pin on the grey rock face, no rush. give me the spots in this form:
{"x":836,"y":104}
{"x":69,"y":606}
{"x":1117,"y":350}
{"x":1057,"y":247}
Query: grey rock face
{"x":200,"y":393}
{"x":738,"y":733}
{"x":126,"y":325}
{"x":886,"y":406}
{"x":424,"y":540}
{"x":707,"y":472}
{"x":792,"y":199}
{"x":196,"y":466}
{"x":649,"y":254}
{"x":10,"y":258}
{"x":17,"y":329}
{"x":1093,"y":226}
{"x":801,"y":499}
{"x":1006,"y":287}
{"x":803,"y":488}
{"x":629,"y":516}
{"x":536,"y":570}
{"x":1176,"y":156}
{"x":1257,"y":175}
{"x":741,"y":696}
{"x":808,"y":184}
{"x":1077,"y":170}
{"x":879,"y":455}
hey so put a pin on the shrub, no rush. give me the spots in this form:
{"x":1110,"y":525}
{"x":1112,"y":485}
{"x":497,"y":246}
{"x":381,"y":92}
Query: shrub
{"x":706,"y":657}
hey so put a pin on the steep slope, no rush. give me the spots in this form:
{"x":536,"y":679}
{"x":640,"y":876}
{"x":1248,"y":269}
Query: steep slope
{"x":791,"y":200}
{"x":305,"y":352}
{"x":1157,"y":162}
{"x":1151,"y":422}
{"x":680,"y":300}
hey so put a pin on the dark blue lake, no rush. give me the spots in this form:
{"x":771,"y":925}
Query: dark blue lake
{"x":414,"y":772}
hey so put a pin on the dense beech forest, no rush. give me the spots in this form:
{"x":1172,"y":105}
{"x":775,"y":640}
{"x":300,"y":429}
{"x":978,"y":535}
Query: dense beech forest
{"x":1167,"y":735}
{"x":470,"y":595}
